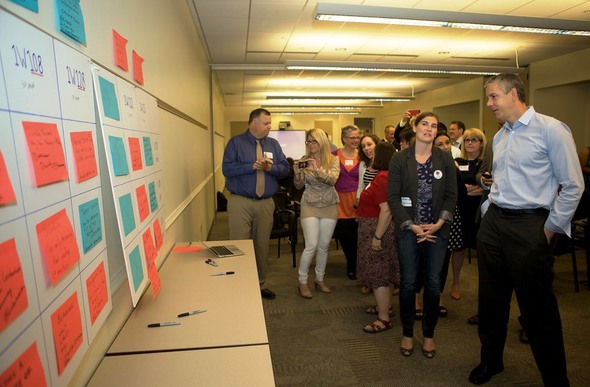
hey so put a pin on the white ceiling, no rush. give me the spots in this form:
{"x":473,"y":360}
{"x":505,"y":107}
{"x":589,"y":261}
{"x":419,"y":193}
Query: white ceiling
{"x":263,"y":35}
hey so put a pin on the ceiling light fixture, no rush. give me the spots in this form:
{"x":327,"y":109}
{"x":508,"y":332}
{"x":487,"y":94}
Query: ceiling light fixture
{"x":465,"y":20}
{"x":318,"y":98}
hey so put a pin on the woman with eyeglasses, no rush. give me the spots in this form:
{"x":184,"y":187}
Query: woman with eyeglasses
{"x":469,"y":164}
{"x":422,"y":193}
{"x":317,"y":171}
{"x":346,"y":186}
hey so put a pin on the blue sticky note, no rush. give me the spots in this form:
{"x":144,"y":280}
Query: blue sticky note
{"x":153,"y":198}
{"x":126,"y":207}
{"x":71,"y":19}
{"x":118,"y":156}
{"x":32,"y":5}
{"x":135,"y":266}
{"x":147,"y":151}
{"x":110,"y":105}
{"x":91,"y":224}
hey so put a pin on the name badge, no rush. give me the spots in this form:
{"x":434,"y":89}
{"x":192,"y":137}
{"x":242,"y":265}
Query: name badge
{"x":348,"y":163}
{"x":437,"y":174}
{"x":464,"y":168}
{"x":406,"y":201}
{"x":268,"y":155}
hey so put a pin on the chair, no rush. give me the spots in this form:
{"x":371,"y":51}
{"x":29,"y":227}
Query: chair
{"x":284,"y":224}
{"x":567,"y":245}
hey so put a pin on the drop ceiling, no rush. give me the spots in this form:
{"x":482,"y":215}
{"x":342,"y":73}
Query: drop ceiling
{"x":255,"y":39}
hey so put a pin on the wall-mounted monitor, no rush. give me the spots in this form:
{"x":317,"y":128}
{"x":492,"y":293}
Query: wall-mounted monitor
{"x":292,"y":142}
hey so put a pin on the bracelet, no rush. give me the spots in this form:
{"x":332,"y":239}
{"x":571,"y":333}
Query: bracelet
{"x":376,"y":237}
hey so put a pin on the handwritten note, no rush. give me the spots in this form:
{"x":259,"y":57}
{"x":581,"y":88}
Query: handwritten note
{"x":46,"y":152}
{"x":118,"y":156}
{"x":136,"y":269}
{"x":158,"y":234}
{"x":58,"y":245}
{"x":120,"y":51}
{"x":108,"y":96}
{"x":13,"y":293}
{"x":135,"y":152}
{"x":187,"y":249}
{"x":66,"y":324}
{"x":142,"y":202}
{"x":71,"y":19}
{"x":154,"y":277}
{"x":90,"y":224}
{"x":148,"y":246}
{"x":147,"y":151}
{"x":137,"y":67}
{"x":84,"y":155}
{"x":6,"y":190}
{"x":126,"y":206}
{"x":96,"y":284}
{"x":153,"y":197}
{"x":25,"y":371}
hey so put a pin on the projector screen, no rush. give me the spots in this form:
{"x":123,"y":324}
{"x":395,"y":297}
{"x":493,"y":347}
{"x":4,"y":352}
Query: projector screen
{"x":292,"y":142}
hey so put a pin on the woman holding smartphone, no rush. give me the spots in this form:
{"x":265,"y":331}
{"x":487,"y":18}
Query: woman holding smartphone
{"x":422,"y":193}
{"x":319,"y":207}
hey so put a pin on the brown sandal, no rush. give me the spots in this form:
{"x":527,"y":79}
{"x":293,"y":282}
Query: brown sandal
{"x":375,"y":310}
{"x":377,"y":326}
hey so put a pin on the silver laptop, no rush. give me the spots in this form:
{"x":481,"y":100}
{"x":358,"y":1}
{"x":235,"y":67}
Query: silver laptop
{"x":224,"y":251}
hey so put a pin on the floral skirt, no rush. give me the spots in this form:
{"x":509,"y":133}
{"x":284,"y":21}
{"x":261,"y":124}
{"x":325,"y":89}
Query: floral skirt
{"x":376,"y":268}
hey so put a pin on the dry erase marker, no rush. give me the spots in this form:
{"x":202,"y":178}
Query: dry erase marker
{"x":185,"y":314}
{"x":211,"y":262}
{"x":163,"y":324}
{"x":226,"y":273}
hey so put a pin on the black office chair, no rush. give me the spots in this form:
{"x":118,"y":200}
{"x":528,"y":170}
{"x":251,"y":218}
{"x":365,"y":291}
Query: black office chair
{"x":284,"y":224}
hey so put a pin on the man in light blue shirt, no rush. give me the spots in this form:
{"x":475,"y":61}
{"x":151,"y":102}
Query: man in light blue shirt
{"x":537,"y":183}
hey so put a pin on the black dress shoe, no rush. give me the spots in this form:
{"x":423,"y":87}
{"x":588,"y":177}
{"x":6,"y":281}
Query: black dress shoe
{"x":351,"y":276}
{"x":483,"y":373}
{"x":268,"y":294}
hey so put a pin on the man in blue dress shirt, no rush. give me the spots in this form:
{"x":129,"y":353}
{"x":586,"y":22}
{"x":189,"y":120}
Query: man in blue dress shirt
{"x":252,"y":165}
{"x":537,"y":183}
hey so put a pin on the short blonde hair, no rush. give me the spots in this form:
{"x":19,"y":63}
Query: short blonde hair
{"x":474,"y":133}
{"x":325,"y":155}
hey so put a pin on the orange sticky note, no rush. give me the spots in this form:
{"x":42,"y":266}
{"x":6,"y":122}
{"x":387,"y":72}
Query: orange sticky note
{"x":26,"y":371}
{"x":137,"y":67}
{"x":158,"y":234}
{"x":96,"y":285}
{"x":58,"y":244}
{"x":46,"y":151}
{"x":120,"y":51}
{"x":135,"y":153}
{"x":6,"y":190}
{"x":13,"y":293}
{"x":142,"y":202}
{"x":66,"y":324}
{"x":154,"y":277}
{"x":148,"y":246}
{"x":84,"y":155}
{"x":187,"y":249}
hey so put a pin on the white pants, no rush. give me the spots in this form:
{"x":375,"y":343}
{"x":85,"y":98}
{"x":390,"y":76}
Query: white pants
{"x":318,"y":234}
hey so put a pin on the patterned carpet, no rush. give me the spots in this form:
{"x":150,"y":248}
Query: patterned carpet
{"x":320,"y":342}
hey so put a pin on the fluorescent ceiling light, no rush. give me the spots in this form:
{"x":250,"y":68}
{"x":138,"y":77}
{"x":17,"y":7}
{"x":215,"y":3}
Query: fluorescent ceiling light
{"x":316,"y":99}
{"x":432,"y":18}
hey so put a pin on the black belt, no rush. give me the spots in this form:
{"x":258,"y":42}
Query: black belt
{"x":248,"y":197}
{"x":520,"y":212}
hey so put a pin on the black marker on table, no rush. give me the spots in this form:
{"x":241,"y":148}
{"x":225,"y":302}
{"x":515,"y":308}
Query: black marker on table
{"x":185,"y":314}
{"x":163,"y":324}
{"x":225,"y":273}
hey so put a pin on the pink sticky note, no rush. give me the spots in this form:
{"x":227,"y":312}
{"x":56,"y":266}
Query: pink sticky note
{"x":12,"y":284}
{"x":187,"y":249}
{"x":154,"y":277}
{"x":96,"y":285}
{"x":6,"y":190}
{"x":26,"y":370}
{"x":148,"y":246}
{"x":46,"y":151}
{"x":137,"y":67}
{"x":120,"y":51}
{"x":142,"y":202}
{"x":158,"y":234}
{"x":58,"y":245}
{"x":135,"y":153}
{"x":66,"y":324}
{"x":84,"y":155}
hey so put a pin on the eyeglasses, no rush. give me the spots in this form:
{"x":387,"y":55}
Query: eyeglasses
{"x":470,"y":140}
{"x":309,"y":142}
{"x":353,"y":138}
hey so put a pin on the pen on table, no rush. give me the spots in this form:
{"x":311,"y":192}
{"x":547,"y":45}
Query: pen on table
{"x":163,"y":324}
{"x":224,"y":273}
{"x":185,"y":314}
{"x":211,"y":262}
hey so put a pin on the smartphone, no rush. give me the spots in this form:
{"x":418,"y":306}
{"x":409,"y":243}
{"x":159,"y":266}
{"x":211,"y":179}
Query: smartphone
{"x":414,"y":112}
{"x":486,"y":175}
{"x":302,"y":164}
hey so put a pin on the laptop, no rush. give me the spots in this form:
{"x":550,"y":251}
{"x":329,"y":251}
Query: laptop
{"x":224,"y":251}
